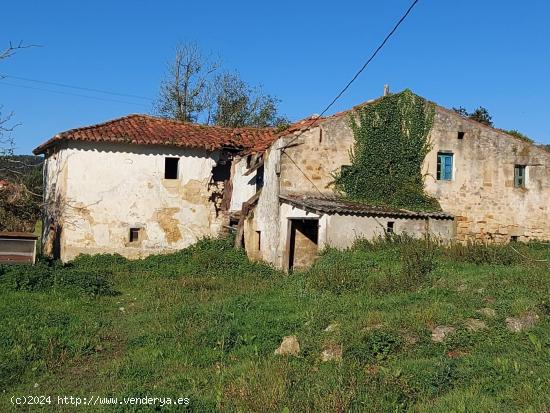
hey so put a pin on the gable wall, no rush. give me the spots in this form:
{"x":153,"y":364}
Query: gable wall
{"x":481,"y":194}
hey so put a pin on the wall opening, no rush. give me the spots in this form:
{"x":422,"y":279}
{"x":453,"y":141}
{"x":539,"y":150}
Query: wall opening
{"x":171,"y":168}
{"x":134,"y":235}
{"x":222,"y":171}
{"x":303,"y":243}
{"x":514,"y":238}
{"x":260,"y":178}
{"x":259,"y":239}
{"x":460,"y":135}
{"x":389,"y":227}
{"x":519,"y":176}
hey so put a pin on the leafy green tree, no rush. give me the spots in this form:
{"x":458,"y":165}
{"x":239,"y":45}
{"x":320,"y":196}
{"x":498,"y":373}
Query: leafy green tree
{"x":236,"y":104}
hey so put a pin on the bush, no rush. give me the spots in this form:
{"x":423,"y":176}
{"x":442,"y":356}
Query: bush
{"x":207,"y":257}
{"x":45,"y":276}
{"x":375,"y":346}
{"x":37,"y":277}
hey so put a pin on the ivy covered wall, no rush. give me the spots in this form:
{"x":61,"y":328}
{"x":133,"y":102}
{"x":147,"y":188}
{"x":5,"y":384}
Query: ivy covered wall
{"x":391,"y":142}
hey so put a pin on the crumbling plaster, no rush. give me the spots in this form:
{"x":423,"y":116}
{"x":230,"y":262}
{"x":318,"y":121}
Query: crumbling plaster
{"x":106,"y":189}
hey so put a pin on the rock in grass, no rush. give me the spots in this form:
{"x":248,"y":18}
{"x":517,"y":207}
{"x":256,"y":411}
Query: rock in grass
{"x":332,"y":352}
{"x":289,"y":346}
{"x":440,"y":332}
{"x":475,"y":324}
{"x":331,"y":327}
{"x":517,"y":324}
{"x":487,"y":312}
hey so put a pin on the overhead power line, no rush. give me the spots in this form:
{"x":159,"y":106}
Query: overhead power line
{"x":65,"y":85}
{"x":72,"y":94}
{"x":370,"y":59}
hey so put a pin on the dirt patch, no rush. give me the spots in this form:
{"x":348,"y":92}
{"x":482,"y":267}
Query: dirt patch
{"x":169,"y":224}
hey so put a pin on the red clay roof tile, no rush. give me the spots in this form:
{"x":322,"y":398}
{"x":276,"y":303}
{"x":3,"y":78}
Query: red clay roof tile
{"x":149,"y":130}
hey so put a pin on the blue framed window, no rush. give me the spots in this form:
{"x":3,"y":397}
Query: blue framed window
{"x":444,"y":166}
{"x":519,"y":176}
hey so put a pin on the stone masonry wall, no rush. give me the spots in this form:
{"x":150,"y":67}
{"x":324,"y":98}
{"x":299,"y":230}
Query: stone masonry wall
{"x":481,"y":193}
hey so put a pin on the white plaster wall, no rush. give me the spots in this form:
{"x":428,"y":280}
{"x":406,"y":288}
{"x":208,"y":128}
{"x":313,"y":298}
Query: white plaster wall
{"x":244,"y":187}
{"x":344,"y":230}
{"x":341,"y":231}
{"x":110,"y":188}
{"x":266,"y":213}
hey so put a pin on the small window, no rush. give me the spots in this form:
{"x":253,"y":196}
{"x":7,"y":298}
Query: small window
{"x":461,"y":135}
{"x":259,"y":233}
{"x":171,"y":168}
{"x":134,"y":234}
{"x":514,"y":238}
{"x":389,"y":227}
{"x":444,"y":166}
{"x":519,"y":176}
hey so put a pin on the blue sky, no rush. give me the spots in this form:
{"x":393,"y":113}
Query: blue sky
{"x":456,"y":53}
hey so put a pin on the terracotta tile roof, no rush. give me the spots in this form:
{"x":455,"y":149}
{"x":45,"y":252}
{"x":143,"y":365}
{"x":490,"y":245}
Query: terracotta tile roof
{"x":149,"y":130}
{"x":336,"y":205}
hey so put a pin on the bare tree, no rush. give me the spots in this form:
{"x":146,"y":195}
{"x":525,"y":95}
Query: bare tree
{"x":184,"y":92}
{"x":6,"y":141}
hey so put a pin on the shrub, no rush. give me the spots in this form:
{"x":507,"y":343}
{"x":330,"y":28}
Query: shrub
{"x":207,"y":257}
{"x":375,"y":346}
{"x":27,"y":277}
{"x":45,"y":276}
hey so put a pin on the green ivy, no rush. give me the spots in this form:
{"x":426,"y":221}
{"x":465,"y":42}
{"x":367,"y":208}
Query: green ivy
{"x":391,"y":142}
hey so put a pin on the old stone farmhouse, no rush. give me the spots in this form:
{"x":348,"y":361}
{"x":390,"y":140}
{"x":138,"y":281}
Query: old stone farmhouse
{"x":140,"y":185}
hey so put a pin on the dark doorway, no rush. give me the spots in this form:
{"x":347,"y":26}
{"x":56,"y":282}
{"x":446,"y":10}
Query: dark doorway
{"x":302,"y":243}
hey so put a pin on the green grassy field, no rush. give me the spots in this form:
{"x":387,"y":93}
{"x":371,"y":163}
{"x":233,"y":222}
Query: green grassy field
{"x":204,"y":324}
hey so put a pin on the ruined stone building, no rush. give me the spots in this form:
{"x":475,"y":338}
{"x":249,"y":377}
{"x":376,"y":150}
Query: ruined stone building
{"x":141,"y":185}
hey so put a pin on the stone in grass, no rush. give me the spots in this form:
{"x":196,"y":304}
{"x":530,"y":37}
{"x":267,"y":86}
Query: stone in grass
{"x":517,"y":324}
{"x":289,"y":346}
{"x":332,"y":352}
{"x":331,"y":327}
{"x":487,"y":312}
{"x":475,"y":324}
{"x":440,"y":332}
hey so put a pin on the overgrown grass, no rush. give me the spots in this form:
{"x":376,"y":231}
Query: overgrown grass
{"x":204,"y":323}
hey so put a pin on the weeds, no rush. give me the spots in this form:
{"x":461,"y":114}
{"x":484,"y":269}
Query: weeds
{"x":207,"y":320}
{"x":478,"y":253}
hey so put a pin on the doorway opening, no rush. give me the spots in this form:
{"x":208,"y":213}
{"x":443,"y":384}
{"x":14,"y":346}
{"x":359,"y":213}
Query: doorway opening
{"x":302,"y":244}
